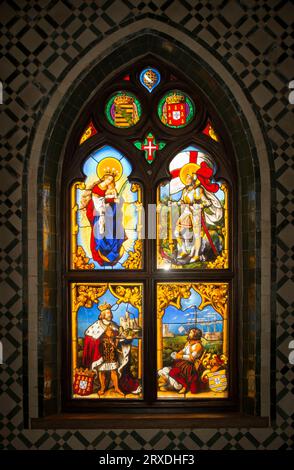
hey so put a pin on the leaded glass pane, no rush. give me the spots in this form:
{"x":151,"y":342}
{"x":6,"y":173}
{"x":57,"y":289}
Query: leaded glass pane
{"x":192,"y":340}
{"x":192,"y":215}
{"x":106,"y":215}
{"x":123,"y":109}
{"x":106,"y":325}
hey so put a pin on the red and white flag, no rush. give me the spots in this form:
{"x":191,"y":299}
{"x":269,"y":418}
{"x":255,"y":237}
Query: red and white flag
{"x":181,"y":159}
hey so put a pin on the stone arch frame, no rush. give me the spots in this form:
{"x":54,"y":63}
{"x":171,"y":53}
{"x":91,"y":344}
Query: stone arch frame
{"x":43,"y":166}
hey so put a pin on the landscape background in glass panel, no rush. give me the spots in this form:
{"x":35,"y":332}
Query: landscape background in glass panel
{"x":192,"y":215}
{"x":106,"y":214}
{"x":192,"y":363}
{"x":107,"y":350}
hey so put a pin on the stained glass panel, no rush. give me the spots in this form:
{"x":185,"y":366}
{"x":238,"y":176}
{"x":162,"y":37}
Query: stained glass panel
{"x":150,"y":78}
{"x":150,"y":146}
{"x":106,"y":234}
{"x":106,"y":215}
{"x":176,"y":109}
{"x":88,"y":132}
{"x":107,"y":321}
{"x":208,"y":130}
{"x":123,"y":109}
{"x":192,"y":340}
{"x":192,"y":215}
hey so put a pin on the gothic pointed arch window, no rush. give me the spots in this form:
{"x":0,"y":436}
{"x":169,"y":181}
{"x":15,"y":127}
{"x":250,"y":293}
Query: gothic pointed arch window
{"x":149,"y":248}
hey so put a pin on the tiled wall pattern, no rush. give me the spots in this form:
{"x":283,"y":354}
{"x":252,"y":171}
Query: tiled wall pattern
{"x":41,"y":41}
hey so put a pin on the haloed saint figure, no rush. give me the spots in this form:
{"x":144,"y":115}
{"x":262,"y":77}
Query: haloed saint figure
{"x":104,"y":215}
{"x":191,"y":224}
{"x":107,"y":214}
{"x":192,"y":221}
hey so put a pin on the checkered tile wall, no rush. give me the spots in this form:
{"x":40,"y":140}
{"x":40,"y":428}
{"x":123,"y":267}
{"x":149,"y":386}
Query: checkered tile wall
{"x":41,"y":40}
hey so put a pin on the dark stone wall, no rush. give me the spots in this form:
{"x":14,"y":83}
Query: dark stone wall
{"x":42,"y":41}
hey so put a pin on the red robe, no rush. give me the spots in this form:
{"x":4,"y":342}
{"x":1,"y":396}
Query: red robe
{"x":91,"y":352}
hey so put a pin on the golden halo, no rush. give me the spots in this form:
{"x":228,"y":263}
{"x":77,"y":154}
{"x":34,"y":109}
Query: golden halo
{"x":109,"y":166}
{"x":188,"y":169}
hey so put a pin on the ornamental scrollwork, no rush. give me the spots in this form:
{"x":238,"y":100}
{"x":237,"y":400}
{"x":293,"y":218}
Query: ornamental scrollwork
{"x":134,"y":260}
{"x":221,"y":262}
{"x":86,"y":296}
{"x":131,"y":295}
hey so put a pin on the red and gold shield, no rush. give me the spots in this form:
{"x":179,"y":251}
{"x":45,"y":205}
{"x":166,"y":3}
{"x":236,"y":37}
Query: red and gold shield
{"x":83,"y":382}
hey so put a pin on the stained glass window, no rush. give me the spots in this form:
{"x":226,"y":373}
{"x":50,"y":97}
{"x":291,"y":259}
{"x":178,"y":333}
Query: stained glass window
{"x":149,"y":237}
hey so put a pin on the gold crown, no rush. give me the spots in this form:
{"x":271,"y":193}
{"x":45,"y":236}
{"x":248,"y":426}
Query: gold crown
{"x":85,"y":372}
{"x":104,"y":306}
{"x":175,"y":98}
{"x":110,"y":171}
{"x":123,"y":99}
